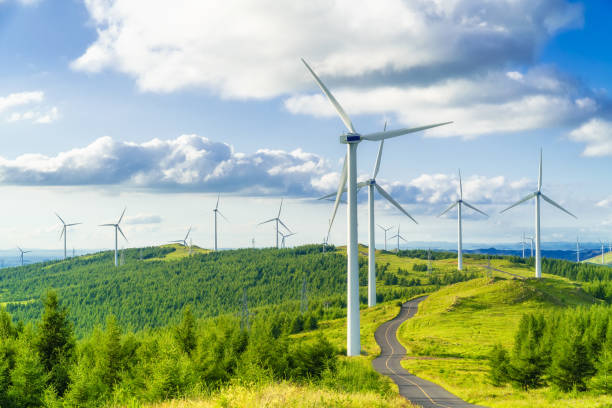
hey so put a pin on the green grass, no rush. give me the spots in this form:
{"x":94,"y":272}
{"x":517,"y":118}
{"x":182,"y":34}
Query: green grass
{"x":455,"y":328}
{"x":597,"y":259}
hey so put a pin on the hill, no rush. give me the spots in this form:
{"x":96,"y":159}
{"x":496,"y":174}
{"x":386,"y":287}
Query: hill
{"x":452,"y":335}
{"x":596,"y":258}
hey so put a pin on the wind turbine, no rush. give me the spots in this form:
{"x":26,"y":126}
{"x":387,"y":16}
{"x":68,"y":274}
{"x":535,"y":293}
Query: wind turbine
{"x":600,"y":241}
{"x":385,"y":230}
{"x":117,"y":228}
{"x":371,"y":184}
{"x":64,"y":232}
{"x":537,"y":195}
{"x":398,"y":236}
{"x":284,"y":237}
{"x":183,"y":241}
{"x":277,"y":220}
{"x":216,"y":211}
{"x":530,"y":244}
{"x":21,"y":252}
{"x":523,"y":244}
{"x":349,"y":171}
{"x":458,"y":203}
{"x":577,"y":250}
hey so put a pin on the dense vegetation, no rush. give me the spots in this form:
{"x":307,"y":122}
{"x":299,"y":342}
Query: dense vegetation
{"x":597,"y":279}
{"x":570,"y":349}
{"x":43,"y":364}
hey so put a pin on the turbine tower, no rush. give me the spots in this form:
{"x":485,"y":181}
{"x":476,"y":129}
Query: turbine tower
{"x":459,"y":203}
{"x":537,"y":195}
{"x":64,"y":232}
{"x":385,"y":230}
{"x":216,"y":211}
{"x":117,"y":228}
{"x":21,"y":252}
{"x":371,"y":184}
{"x":398,"y":236}
{"x":577,"y":250}
{"x":277,"y":221}
{"x":284,"y":237}
{"x":600,"y":241}
{"x":349,"y":171}
{"x":183,"y":242}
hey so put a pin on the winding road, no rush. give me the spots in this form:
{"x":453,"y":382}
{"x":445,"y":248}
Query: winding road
{"x":416,"y":390}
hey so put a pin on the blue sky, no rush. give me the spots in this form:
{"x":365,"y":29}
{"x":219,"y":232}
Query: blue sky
{"x":87,"y":87}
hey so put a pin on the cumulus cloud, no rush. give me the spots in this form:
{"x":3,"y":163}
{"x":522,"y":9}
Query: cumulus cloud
{"x":605,"y":203}
{"x":416,"y":59}
{"x":192,"y":163}
{"x":35,"y":112}
{"x":596,"y":134}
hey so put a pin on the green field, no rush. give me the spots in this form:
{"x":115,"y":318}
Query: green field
{"x":448,"y":341}
{"x":597,"y":259}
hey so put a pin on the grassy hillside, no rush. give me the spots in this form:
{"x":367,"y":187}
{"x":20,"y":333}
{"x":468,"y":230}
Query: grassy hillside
{"x":455,"y":329}
{"x":597,"y":259}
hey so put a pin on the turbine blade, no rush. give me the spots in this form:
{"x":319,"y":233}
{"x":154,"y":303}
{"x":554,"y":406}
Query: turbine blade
{"x":474,"y":208}
{"x":218,"y":196}
{"x":224,"y":217}
{"x":120,"y":218}
{"x":280,"y":208}
{"x":122,"y":234}
{"x":399,"y":132}
{"x":345,"y":118}
{"x":62,"y":233}
{"x":60,"y":218}
{"x":522,"y":200}
{"x":330,"y":195}
{"x":377,"y":165}
{"x":73,"y":224}
{"x":107,"y":225}
{"x":341,"y":186}
{"x":540,"y":175}
{"x":265,"y":222}
{"x":403,"y":239}
{"x":188,"y":231}
{"x":281,"y":223}
{"x":557,"y":205}
{"x":392,"y":201}
{"x":460,"y":187}
{"x":449,"y":208}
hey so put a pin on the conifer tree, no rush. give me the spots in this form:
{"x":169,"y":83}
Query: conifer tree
{"x":571,"y":366}
{"x":498,"y":365}
{"x":55,"y":342}
{"x":602,"y":381}
{"x":28,"y":378}
{"x":184,"y":333}
{"x":529,"y":360}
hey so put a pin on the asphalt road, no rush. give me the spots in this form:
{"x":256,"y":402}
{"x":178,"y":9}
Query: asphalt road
{"x":416,"y":390}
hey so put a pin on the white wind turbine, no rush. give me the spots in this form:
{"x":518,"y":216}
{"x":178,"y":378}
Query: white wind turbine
{"x":577,"y":250}
{"x":183,"y":241}
{"x":602,"y":252}
{"x":285,"y":236}
{"x":398,"y":236}
{"x":371,"y":184}
{"x":216,"y":211}
{"x":278,"y":221}
{"x":385,"y":230}
{"x":459,"y":203}
{"x":21,"y":252}
{"x":349,"y":171}
{"x":537,"y":195}
{"x":64,"y":231}
{"x":117,"y":228}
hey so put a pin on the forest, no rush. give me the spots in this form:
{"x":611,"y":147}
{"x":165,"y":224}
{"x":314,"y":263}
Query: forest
{"x":570,"y":349}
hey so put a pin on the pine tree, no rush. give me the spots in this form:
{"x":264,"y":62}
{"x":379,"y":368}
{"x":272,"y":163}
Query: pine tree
{"x":529,"y":360}
{"x":7,"y":329}
{"x":55,"y":342}
{"x":498,"y":365}
{"x":602,"y":381}
{"x":184,"y":333}
{"x":571,"y":366}
{"x":28,"y":378}
{"x":110,"y":362}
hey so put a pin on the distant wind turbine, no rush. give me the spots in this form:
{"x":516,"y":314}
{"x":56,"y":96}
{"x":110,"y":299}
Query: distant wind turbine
{"x":577,"y":250}
{"x":117,"y":228}
{"x":216,"y":211}
{"x":21,"y":252}
{"x":530,"y":244}
{"x":183,"y":241}
{"x":385,"y":230}
{"x":285,"y":236}
{"x":398,"y":236}
{"x":64,"y":231}
{"x":349,"y":172}
{"x":459,"y":203}
{"x":277,"y":221}
{"x":602,"y":251}
{"x":537,"y":195}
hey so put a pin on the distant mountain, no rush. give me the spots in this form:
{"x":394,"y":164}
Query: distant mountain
{"x":554,"y":254}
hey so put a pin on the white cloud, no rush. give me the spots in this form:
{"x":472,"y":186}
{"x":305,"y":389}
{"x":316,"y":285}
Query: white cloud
{"x":192,"y":163}
{"x":605,"y":203}
{"x":143,"y":219}
{"x":596,"y":134}
{"x":417,"y":59}
{"x":19,"y":99}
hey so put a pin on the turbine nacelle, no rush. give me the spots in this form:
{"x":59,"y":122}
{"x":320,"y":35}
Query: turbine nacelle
{"x":347,"y":138}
